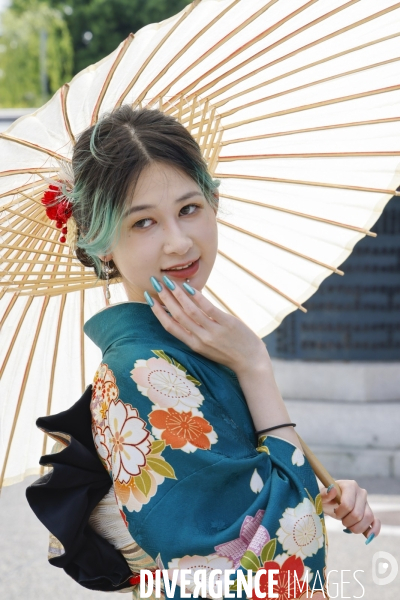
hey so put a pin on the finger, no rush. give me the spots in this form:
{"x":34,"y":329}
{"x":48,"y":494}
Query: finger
{"x":360,"y":518}
{"x":348,"y":499}
{"x":209,"y":308}
{"x":170,"y":325}
{"x":188,"y":321}
{"x":191,"y":309}
{"x":375,"y":529}
{"x":330,"y":495}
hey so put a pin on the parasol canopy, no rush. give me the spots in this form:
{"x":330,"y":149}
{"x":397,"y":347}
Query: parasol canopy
{"x":295,"y":108}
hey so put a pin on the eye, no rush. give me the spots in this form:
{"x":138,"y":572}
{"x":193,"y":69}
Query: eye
{"x":189,"y":209}
{"x":142,"y":223}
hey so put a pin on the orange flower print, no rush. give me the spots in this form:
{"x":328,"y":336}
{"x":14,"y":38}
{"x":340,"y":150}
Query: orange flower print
{"x":187,"y":431}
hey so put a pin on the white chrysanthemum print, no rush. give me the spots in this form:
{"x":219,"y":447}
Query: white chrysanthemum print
{"x":208,"y":563}
{"x":256,"y":483}
{"x":298,"y":458}
{"x":165,"y":384}
{"x":101,"y":446}
{"x":127,"y":440}
{"x":301,"y":532}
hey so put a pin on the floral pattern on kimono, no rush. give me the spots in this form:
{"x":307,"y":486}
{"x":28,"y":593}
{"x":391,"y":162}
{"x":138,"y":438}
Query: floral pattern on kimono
{"x":255,"y":550}
{"x":124,"y":443}
{"x":196,"y":486}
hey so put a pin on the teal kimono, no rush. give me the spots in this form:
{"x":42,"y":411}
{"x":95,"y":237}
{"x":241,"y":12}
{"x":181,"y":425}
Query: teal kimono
{"x":194,"y":486}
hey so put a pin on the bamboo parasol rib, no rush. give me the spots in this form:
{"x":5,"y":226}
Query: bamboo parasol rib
{"x":324,"y":39}
{"x":311,"y":129}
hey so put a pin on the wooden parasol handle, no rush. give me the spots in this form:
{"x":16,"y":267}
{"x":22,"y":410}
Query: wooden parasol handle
{"x":323,"y":475}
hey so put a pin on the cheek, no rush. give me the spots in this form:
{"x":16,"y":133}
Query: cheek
{"x":136,"y":255}
{"x":210,"y":236}
{"x":125,"y":255}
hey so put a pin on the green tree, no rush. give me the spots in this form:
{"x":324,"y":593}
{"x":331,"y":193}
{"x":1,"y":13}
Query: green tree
{"x":107,"y":23}
{"x":36,"y":55}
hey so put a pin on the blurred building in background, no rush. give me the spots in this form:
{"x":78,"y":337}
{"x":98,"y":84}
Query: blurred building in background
{"x":9,"y":115}
{"x":342,"y":359}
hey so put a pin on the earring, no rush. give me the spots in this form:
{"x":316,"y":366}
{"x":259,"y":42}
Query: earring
{"x":187,"y":280}
{"x":107,"y":272}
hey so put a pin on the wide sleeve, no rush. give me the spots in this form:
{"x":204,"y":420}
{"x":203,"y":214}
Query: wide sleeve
{"x":195,"y":486}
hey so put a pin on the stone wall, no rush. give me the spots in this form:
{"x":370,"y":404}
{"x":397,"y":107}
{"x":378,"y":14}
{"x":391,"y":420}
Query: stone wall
{"x":347,"y":412}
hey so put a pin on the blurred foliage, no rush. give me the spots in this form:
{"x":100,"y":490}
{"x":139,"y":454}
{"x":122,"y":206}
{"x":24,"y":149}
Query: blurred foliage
{"x":97,"y":27}
{"x":20,"y":49}
{"x":79,"y":33}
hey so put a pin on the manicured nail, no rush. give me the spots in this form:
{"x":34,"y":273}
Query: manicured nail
{"x":329,"y":488}
{"x":156,"y":284}
{"x":347,"y":530}
{"x":170,"y":284}
{"x":148,"y":299}
{"x":189,"y":288}
{"x":370,"y":538}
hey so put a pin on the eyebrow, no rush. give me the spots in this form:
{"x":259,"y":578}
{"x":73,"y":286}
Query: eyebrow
{"x":140,"y":207}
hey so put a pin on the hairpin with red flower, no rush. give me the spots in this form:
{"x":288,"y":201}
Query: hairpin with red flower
{"x":60,"y":211}
{"x":59,"y":208}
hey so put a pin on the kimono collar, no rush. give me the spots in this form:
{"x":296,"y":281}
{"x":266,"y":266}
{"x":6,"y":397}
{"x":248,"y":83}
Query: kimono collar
{"x":123,"y":320}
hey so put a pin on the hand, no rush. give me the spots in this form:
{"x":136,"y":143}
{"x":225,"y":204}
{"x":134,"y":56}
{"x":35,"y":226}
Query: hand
{"x":353,"y":510}
{"x":208,"y":330}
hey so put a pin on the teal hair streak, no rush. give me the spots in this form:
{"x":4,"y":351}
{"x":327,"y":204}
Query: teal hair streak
{"x":104,"y":227}
{"x":105,"y":223}
{"x":208,"y":185}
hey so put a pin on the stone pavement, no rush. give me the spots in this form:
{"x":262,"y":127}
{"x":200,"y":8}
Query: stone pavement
{"x":25,"y":573}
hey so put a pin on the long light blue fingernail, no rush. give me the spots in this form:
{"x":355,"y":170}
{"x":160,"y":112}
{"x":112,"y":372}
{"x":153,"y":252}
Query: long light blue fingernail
{"x":156,"y":284}
{"x":347,"y":530}
{"x":370,"y":538}
{"x":148,"y":299}
{"x":189,"y":288}
{"x":329,"y":488}
{"x":170,"y":284}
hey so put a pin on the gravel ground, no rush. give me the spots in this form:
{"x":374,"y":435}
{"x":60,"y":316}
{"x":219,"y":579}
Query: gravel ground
{"x":25,"y":573}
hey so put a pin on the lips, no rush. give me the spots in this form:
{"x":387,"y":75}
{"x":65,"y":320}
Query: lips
{"x":180,"y":266}
{"x":183,"y":270}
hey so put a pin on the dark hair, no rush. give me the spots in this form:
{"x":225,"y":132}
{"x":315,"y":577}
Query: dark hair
{"x":107,"y":161}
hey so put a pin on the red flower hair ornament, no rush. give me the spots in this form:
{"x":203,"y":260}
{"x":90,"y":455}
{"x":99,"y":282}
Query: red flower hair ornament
{"x":59,"y":209}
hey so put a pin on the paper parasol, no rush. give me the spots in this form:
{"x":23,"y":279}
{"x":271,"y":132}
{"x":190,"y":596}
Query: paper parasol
{"x":295,"y":107}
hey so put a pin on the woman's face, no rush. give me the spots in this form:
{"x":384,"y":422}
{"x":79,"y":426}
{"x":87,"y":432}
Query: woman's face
{"x":170,"y":224}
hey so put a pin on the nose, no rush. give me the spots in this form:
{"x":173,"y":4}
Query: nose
{"x":176,"y":239}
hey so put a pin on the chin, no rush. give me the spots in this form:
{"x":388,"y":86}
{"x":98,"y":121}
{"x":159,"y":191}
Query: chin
{"x":199,"y":280}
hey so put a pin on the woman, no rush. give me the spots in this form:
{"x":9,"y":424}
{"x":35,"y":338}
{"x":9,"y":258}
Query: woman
{"x":205,"y":467}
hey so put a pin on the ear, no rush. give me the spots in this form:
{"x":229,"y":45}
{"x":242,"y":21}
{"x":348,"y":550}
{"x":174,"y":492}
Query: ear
{"x":216,"y":196}
{"x":106,"y":258}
